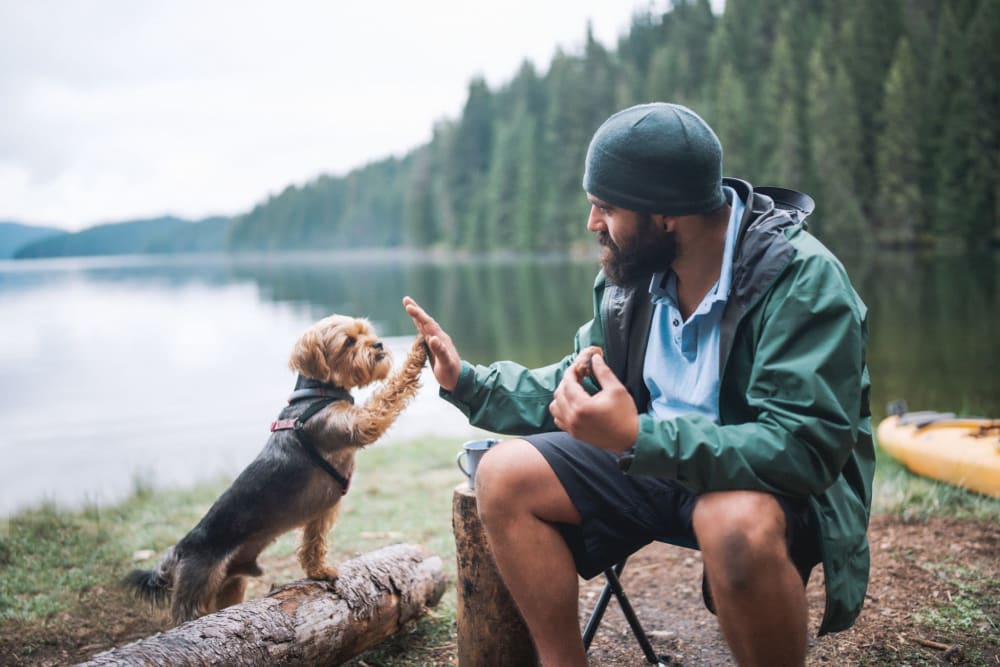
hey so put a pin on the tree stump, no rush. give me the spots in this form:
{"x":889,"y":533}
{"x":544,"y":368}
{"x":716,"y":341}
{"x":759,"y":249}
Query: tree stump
{"x":306,"y":622}
{"x":490,"y":628}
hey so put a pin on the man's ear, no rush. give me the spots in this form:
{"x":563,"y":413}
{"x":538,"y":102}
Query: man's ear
{"x":665,"y":222}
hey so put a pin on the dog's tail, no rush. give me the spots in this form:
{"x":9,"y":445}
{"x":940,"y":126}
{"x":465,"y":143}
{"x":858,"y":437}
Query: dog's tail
{"x":154,"y":585}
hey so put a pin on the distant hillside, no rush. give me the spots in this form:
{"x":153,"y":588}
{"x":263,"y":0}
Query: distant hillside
{"x":156,"y":235}
{"x":14,"y":235}
{"x":208,"y":235}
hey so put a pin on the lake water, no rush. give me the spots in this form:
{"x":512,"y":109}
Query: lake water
{"x":170,"y":369}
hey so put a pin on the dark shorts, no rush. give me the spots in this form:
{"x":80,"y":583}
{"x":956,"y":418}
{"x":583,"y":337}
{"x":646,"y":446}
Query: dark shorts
{"x":622,"y":513}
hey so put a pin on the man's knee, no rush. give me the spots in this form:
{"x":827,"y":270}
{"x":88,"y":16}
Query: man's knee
{"x":514,"y":478}
{"x":742,"y":533}
{"x":500,"y":473}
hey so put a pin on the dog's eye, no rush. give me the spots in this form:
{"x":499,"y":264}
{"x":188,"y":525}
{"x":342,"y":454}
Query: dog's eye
{"x":350,"y":342}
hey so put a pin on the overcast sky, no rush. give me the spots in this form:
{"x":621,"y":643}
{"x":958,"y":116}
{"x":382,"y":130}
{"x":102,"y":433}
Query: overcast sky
{"x":121,"y":109}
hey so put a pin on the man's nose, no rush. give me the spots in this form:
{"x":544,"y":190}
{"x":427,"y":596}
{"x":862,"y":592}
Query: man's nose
{"x":595,"y":222}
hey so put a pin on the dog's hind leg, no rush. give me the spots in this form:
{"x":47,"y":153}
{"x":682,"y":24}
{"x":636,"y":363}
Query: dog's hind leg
{"x":231,"y":592}
{"x":312,"y":551}
{"x":196,"y":585}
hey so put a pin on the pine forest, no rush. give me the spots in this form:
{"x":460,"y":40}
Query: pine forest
{"x":887,"y":112}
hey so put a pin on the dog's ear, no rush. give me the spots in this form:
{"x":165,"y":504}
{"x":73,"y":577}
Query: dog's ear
{"x":308,"y":357}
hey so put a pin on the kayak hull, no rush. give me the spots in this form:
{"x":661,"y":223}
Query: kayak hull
{"x":961,"y":452}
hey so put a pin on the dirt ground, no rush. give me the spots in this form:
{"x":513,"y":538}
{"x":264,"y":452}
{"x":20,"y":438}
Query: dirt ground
{"x":920,"y":572}
{"x":913,"y":566}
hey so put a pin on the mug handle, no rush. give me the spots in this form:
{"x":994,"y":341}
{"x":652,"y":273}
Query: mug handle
{"x":458,"y":462}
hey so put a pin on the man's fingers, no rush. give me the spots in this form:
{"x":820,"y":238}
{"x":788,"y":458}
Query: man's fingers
{"x":568,"y":395}
{"x":602,"y":372}
{"x":438,"y":348}
{"x":421,"y":320}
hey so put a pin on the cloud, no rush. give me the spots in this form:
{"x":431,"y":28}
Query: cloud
{"x":116,"y":109}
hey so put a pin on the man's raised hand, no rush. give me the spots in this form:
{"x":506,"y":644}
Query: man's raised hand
{"x":444,"y":358}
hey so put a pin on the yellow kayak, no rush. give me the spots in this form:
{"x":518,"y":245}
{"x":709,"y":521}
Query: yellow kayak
{"x":962,"y":452}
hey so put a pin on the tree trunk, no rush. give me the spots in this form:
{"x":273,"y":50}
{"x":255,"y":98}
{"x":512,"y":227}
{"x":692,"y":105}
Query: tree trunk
{"x":304,"y":622}
{"x":490,"y":628}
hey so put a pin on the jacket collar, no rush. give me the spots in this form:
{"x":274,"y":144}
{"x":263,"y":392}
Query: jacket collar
{"x":762,"y":254}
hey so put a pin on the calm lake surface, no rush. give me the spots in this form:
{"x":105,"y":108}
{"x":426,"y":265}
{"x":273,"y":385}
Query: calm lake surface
{"x":169,"y":370}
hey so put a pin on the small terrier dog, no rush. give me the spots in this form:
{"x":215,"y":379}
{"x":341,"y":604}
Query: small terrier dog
{"x":298,"y":478}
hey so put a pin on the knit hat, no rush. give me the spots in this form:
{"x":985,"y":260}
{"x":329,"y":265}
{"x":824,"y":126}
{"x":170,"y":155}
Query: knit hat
{"x":656,"y":158}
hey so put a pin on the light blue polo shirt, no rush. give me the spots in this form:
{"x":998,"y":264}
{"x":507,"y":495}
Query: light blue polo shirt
{"x":681,"y":369}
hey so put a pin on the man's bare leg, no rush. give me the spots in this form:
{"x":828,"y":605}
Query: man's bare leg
{"x":519,"y":498}
{"x":758,"y":593}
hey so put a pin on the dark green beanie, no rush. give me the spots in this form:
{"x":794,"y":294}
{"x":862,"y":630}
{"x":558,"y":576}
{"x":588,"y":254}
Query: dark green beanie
{"x":656,"y":158}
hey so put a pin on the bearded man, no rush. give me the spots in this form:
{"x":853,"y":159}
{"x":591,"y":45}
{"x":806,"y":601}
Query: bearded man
{"x":718,"y":400}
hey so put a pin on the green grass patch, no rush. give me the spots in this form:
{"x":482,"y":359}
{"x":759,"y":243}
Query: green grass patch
{"x":50,"y":557}
{"x":898,"y":491}
{"x":400,"y":493}
{"x":969,"y":614}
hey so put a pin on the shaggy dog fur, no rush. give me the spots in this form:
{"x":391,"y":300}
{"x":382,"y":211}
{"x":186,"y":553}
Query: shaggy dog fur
{"x":283,"y":488}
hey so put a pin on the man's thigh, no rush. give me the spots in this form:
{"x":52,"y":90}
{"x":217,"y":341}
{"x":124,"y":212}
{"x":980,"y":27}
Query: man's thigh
{"x":619,"y":513}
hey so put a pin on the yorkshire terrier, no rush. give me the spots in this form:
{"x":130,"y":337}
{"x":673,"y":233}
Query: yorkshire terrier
{"x":298,"y":478}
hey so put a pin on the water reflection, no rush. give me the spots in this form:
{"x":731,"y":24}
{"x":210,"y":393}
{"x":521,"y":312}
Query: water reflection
{"x":934,"y":331}
{"x":168,"y":366}
{"x":526,"y":309}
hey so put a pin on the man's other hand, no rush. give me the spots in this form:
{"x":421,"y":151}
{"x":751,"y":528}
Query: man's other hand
{"x":608,"y":419}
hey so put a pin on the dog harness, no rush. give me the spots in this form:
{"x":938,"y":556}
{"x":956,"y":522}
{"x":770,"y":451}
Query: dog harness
{"x":323,"y":395}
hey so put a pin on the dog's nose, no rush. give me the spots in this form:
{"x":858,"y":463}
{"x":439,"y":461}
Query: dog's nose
{"x":377,"y":345}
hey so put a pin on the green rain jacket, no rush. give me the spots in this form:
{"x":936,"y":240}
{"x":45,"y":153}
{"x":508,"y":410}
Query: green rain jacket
{"x":793,"y":399}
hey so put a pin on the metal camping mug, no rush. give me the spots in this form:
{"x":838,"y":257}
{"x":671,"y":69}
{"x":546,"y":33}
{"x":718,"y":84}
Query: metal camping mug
{"x":472,"y":450}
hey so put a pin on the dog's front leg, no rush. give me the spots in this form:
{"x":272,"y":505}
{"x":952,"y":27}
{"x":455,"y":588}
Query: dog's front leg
{"x":374,"y":418}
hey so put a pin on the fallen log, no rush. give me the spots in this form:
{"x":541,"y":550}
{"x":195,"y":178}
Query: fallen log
{"x":305,"y":622}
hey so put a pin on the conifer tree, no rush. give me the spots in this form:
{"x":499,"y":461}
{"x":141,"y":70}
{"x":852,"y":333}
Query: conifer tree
{"x":942,"y":81}
{"x":679,"y":63}
{"x":468,"y":160}
{"x":969,"y":158}
{"x":870,"y":35}
{"x":501,"y":190}
{"x":729,"y":119}
{"x":419,"y":214}
{"x":780,"y":134}
{"x":834,"y":136}
{"x":899,"y":151}
{"x":527,"y":197}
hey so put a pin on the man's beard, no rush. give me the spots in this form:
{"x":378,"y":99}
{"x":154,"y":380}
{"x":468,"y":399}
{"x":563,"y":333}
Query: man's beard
{"x":645,"y":253}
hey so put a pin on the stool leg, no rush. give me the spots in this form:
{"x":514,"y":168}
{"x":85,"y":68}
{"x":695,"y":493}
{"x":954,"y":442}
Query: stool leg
{"x":614,"y":587}
{"x":633,"y":620}
{"x":602,"y":604}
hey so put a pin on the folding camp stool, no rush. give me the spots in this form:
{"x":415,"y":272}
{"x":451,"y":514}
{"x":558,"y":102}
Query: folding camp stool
{"x":614,"y":587}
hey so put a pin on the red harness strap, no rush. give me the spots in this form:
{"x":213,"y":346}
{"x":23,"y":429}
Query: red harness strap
{"x":282,"y":425}
{"x":296,"y":427}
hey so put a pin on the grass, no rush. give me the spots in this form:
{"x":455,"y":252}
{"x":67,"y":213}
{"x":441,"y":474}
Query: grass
{"x":970,"y":613}
{"x":899,"y":492}
{"x":50,"y":558}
